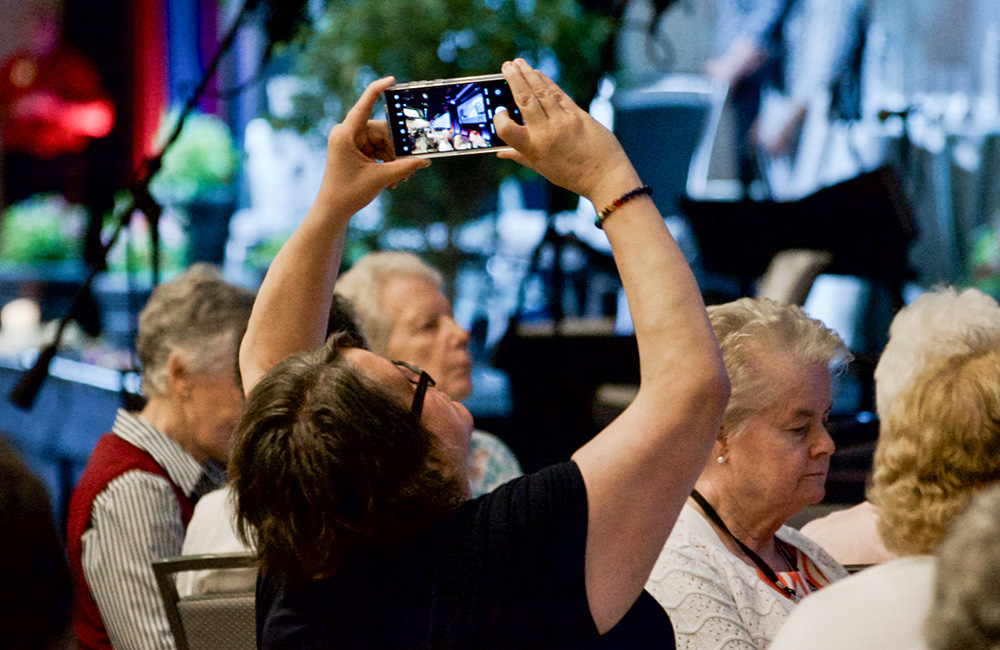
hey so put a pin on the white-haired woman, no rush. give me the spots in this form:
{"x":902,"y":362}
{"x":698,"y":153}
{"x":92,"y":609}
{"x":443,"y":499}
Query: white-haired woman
{"x":731,"y":571}
{"x":135,"y":497}
{"x":938,"y":448}
{"x":405,"y":316}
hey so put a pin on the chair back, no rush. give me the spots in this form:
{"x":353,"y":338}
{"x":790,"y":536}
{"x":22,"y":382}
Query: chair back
{"x":218,"y":620}
{"x":668,"y":131}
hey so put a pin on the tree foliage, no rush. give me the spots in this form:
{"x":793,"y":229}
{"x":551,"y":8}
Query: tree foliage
{"x":356,"y":41}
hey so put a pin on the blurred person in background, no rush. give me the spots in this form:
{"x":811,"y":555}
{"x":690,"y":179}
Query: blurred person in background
{"x":747,"y":57}
{"x":801,"y":135}
{"x":135,"y":497}
{"x":35,"y":589}
{"x":963,"y":614}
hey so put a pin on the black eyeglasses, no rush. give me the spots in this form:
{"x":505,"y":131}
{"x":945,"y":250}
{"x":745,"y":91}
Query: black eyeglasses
{"x":421,"y":380}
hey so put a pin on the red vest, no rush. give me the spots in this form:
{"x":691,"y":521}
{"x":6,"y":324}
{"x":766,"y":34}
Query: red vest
{"x":111,"y":458}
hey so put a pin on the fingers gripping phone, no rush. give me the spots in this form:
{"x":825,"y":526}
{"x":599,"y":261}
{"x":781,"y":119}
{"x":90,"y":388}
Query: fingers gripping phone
{"x":448,"y":117}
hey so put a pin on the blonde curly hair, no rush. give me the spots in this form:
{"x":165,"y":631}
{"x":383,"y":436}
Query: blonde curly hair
{"x":751,"y":333}
{"x":939,"y":445}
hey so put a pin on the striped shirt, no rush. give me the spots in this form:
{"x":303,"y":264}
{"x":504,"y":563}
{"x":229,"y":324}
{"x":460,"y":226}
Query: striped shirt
{"x":136,"y":519}
{"x":804,"y":580}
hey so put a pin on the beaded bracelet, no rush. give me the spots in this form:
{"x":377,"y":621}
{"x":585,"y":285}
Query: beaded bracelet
{"x":619,"y":202}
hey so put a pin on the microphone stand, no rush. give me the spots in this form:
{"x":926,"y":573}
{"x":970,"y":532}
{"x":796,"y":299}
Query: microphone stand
{"x":25,"y":392}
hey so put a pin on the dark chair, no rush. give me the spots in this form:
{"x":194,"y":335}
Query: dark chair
{"x":210,"y":621}
{"x":668,"y":130}
{"x":865,"y":223}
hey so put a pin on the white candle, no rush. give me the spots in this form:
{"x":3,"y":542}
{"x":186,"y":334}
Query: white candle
{"x":19,"y":317}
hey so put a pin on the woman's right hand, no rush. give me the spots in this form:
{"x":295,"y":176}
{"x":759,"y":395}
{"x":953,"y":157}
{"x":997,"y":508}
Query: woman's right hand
{"x":354,"y":174}
{"x":560,"y":140}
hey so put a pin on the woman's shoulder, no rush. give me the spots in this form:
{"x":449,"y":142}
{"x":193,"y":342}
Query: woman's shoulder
{"x":691,"y":525}
{"x":884,"y":606}
{"x":901,"y":575}
{"x":553,"y":496}
{"x":711,"y":593}
{"x":694,"y":548}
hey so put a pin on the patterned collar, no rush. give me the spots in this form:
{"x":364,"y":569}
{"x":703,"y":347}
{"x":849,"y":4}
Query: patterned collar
{"x":192,"y":477}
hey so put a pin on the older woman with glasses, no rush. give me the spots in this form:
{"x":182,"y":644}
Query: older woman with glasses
{"x":359,"y":509}
{"x":731,"y":571}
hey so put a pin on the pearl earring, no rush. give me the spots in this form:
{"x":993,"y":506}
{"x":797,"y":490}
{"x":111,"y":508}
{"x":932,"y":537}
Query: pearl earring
{"x":720,"y":459}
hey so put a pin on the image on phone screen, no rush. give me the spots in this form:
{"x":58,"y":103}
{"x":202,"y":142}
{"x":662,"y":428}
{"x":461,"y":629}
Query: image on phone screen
{"x":448,"y":117}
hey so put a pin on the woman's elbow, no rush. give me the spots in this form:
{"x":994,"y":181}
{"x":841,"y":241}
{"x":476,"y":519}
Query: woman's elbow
{"x":707,"y":391}
{"x":716,"y":387}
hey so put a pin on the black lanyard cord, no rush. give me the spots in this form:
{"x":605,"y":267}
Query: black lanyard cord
{"x":764,"y":567}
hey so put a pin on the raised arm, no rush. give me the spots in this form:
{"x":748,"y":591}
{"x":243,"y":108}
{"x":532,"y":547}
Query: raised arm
{"x":641,"y":468}
{"x":293,"y":303}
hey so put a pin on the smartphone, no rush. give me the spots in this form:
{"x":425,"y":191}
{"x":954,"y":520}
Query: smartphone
{"x":448,"y":117}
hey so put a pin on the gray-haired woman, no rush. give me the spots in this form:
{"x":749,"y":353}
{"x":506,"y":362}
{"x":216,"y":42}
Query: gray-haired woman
{"x":135,"y":497}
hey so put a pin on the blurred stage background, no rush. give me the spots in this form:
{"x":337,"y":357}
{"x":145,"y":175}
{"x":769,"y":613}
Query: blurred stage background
{"x":873,"y":196}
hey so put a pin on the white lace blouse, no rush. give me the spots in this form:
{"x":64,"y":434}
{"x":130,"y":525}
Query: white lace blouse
{"x":714,"y":599}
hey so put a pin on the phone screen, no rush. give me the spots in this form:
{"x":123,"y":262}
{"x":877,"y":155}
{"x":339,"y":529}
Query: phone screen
{"x":448,"y":117}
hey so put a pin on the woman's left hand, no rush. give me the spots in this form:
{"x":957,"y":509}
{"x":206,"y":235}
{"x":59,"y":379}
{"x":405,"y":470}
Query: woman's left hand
{"x":354,"y":176}
{"x":561,"y":141}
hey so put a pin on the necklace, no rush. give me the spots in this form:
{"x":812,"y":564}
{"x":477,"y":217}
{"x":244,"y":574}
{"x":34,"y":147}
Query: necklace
{"x":764,"y":567}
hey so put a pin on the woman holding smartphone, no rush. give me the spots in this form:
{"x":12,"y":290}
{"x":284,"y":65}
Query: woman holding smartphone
{"x":349,"y":469}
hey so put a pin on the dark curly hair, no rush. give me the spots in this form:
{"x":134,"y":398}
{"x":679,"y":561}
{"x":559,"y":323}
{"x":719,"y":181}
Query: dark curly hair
{"x":327,"y":463}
